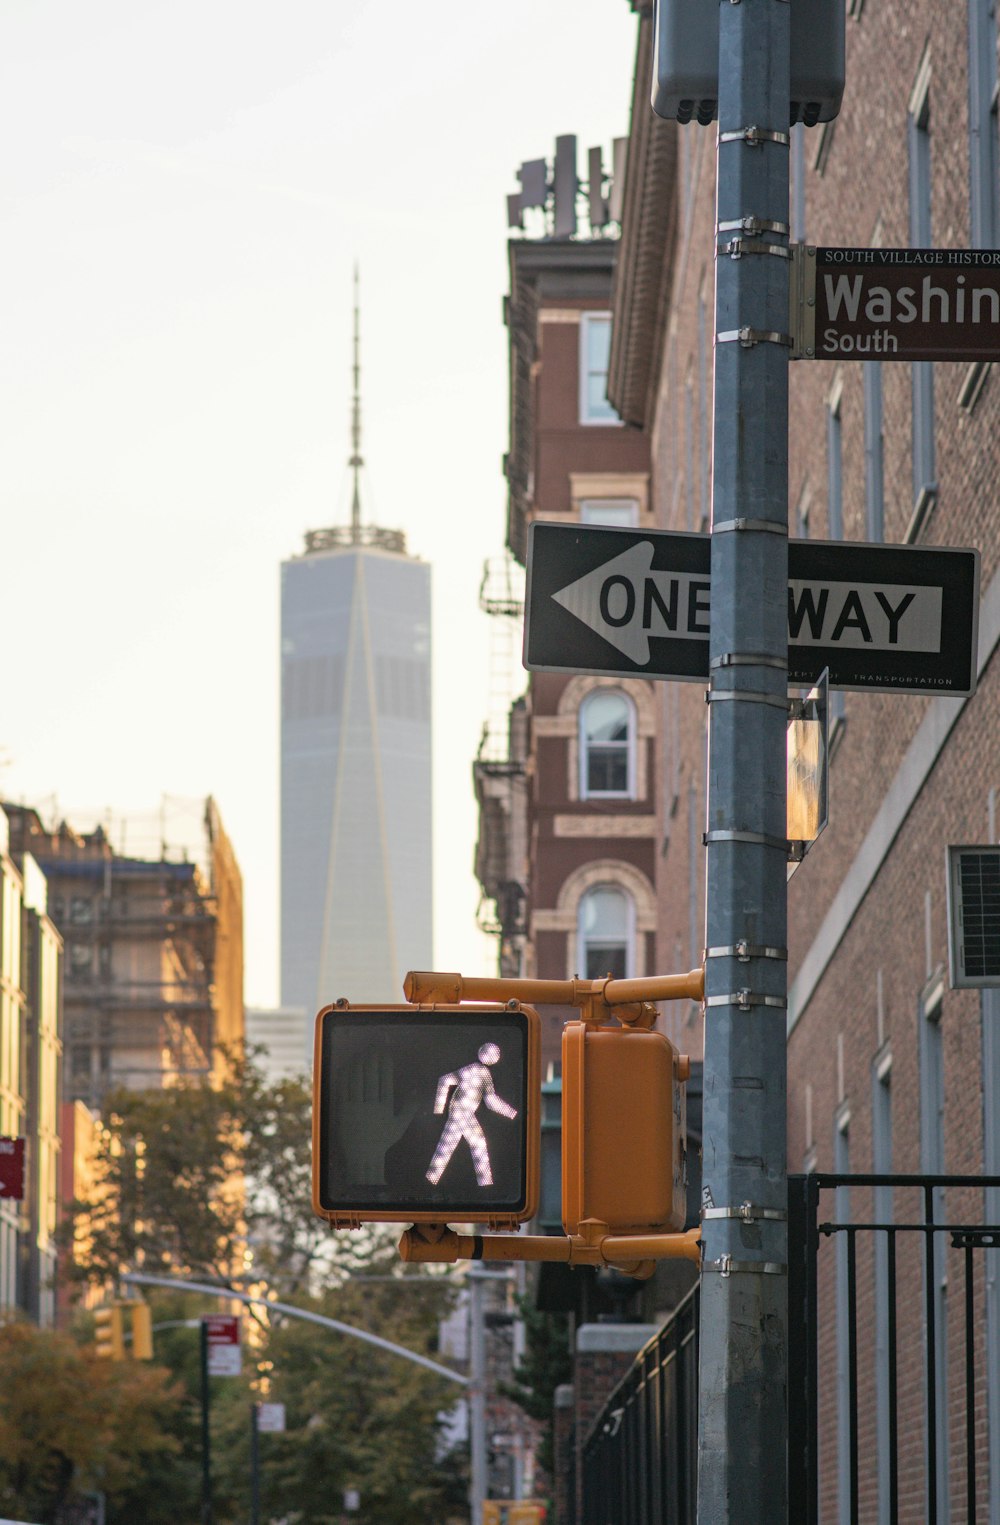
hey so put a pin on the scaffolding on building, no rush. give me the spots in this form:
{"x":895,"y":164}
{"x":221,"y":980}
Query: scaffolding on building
{"x":148,"y":945}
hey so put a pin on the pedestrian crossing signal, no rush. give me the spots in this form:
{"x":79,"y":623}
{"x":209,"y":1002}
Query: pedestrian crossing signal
{"x":426,"y":1114}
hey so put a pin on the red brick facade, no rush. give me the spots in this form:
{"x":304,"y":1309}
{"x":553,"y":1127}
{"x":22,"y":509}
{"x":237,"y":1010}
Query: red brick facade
{"x":868,"y":945}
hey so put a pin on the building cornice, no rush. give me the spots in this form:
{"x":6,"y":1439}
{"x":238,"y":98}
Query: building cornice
{"x":643,"y":272}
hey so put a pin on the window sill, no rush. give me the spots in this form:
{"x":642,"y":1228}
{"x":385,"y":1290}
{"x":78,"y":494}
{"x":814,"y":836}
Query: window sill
{"x":972,"y":386}
{"x":923,"y":508}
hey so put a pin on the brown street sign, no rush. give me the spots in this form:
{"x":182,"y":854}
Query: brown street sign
{"x":895,"y":304}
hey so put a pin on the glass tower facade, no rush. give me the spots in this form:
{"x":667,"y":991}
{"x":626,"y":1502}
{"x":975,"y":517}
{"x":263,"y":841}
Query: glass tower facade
{"x":355,"y":770}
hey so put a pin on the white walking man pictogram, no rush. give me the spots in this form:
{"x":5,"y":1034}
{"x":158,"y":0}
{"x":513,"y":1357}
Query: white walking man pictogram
{"x":473,"y":1085}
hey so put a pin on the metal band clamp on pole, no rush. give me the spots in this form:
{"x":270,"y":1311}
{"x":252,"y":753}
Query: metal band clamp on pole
{"x":747,"y":1212}
{"x":759,"y":526}
{"x":761,"y":838}
{"x":727,"y":1266}
{"x":745,"y":696}
{"x":745,"y":999}
{"x":748,"y":337}
{"x":753,"y":226}
{"x":737,"y":247}
{"x":756,"y":136}
{"x":746,"y":659}
{"x":745,"y":951}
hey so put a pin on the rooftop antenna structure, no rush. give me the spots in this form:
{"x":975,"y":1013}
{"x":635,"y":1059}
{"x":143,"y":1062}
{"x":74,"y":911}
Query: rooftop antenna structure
{"x":557,"y":195}
{"x":356,"y":460}
{"x":339,"y":537}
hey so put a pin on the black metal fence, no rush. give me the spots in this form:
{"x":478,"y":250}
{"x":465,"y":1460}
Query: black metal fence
{"x":888,"y":1357}
{"x":640,"y":1459}
{"x":888,"y":1307}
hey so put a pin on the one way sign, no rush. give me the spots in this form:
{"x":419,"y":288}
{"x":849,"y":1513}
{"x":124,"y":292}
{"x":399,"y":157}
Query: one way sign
{"x":895,"y":618}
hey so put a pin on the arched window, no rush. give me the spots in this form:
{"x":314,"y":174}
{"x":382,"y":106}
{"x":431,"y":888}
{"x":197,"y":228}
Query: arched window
{"x":607,"y":745}
{"x":606,"y":933}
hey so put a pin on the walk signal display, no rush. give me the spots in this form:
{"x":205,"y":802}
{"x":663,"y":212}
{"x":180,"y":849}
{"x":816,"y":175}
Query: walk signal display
{"x":426,"y":1114}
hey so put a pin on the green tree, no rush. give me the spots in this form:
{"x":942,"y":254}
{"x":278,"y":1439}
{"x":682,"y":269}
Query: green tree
{"x":358,"y":1417}
{"x":187,"y":1178}
{"x":547,"y":1363}
{"x":71,"y":1422}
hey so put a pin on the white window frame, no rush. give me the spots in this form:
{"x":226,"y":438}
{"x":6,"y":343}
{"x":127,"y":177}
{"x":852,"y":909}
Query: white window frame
{"x":630,"y":926}
{"x":629,"y":792}
{"x":624,"y":512}
{"x":587,"y":319}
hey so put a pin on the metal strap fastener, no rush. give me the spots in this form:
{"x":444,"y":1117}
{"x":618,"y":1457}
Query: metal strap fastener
{"x":746,"y":999}
{"x":747,"y":696}
{"x":749,"y":337}
{"x":747,"y":1212}
{"x":761,"y":838}
{"x":765,"y":526}
{"x":752,"y":226}
{"x":737,"y":247}
{"x":727,"y":1266}
{"x":745,"y":951}
{"x":755,"y":136}
{"x":747,"y":659}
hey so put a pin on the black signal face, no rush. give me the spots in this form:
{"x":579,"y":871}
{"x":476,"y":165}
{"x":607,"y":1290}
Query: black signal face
{"x":424,"y":1113}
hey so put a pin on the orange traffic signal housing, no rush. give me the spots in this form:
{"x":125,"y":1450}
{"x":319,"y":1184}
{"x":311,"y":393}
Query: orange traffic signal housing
{"x":142,"y":1331}
{"x":624,"y":1129}
{"x":426,"y":1114}
{"x":109,"y":1334}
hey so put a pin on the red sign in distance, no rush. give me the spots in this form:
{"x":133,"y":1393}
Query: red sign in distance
{"x":12,"y":1169}
{"x":222,"y":1337}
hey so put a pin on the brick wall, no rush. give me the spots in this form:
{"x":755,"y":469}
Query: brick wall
{"x":860,"y":999}
{"x":604,"y":1353}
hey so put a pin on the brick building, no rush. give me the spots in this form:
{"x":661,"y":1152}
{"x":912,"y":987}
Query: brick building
{"x":890,"y":1070}
{"x":587,"y":744}
{"x":573,"y":814}
{"x":30,"y":1063}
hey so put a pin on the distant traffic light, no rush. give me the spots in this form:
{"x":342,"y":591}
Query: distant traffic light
{"x":108,"y":1332}
{"x":142,"y":1331}
{"x":624,"y":1129}
{"x":426,"y":1114}
{"x":111,"y":1338}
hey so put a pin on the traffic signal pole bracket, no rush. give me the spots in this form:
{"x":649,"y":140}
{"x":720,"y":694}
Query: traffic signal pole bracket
{"x":634,"y":1254}
{"x":628,"y":1000}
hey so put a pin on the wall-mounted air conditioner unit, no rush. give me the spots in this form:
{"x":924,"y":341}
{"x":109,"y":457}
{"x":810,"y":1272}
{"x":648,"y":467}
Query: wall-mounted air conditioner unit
{"x":974,"y":916}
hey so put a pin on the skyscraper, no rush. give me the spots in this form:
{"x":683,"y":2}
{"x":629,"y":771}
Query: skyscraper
{"x":355,"y":759}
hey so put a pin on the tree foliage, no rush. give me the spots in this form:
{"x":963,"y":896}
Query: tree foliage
{"x":187,"y":1178}
{"x":547,"y":1363}
{"x":71,"y":1422}
{"x":186,"y":1181}
{"x":358,"y":1417}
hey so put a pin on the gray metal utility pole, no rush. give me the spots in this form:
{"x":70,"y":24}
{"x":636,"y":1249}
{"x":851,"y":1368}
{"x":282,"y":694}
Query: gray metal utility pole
{"x":744,"y":1306}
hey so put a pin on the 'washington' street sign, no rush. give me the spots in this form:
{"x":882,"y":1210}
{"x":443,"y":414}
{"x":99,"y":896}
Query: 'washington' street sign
{"x":894,"y":618}
{"x":895,"y":304}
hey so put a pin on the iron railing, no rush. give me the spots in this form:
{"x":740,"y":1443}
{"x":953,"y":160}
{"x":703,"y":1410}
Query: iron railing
{"x":902,"y":1399}
{"x":888,"y":1369}
{"x":640,"y":1459}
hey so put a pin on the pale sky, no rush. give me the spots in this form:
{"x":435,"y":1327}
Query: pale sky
{"x":185,"y":189}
